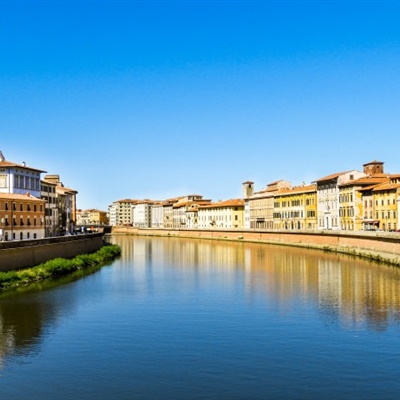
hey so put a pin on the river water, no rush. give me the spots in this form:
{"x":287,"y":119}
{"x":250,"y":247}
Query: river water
{"x":196,"y":319}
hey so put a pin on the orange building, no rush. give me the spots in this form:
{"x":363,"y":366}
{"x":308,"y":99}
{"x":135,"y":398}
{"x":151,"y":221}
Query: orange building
{"x":21,"y":217}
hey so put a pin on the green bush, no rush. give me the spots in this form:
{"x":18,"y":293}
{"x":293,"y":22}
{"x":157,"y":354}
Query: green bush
{"x":58,"y":267}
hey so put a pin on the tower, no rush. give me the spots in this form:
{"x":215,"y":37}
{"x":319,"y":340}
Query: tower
{"x":248,"y":189}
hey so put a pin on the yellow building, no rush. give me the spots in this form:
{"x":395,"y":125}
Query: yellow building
{"x":91,"y":217}
{"x":296,"y":208}
{"x":227,"y":214}
{"x":385,"y":198}
{"x":355,"y":204}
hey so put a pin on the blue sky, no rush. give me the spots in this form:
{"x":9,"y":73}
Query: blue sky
{"x":156,"y":99}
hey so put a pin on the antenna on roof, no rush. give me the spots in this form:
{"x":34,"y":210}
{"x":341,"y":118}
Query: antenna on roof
{"x":2,"y":158}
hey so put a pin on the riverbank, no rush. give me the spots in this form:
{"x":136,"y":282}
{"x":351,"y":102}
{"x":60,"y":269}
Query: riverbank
{"x":58,"y":267}
{"x":377,"y":246}
{"x":19,"y":254}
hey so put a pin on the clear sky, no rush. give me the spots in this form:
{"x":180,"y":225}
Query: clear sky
{"x":157,"y":99}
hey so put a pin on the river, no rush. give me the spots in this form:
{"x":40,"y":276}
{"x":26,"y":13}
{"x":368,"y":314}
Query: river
{"x":198,"y":319}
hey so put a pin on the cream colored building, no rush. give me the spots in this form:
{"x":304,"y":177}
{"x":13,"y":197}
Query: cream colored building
{"x":185,"y":209}
{"x":228,"y":214}
{"x":91,"y":217}
{"x":261,"y":205}
{"x":121,"y":212}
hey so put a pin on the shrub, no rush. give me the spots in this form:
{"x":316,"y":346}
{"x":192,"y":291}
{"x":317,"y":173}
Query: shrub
{"x":58,"y":267}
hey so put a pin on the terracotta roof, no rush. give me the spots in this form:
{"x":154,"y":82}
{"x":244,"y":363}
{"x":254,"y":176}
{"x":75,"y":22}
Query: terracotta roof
{"x":190,"y":202}
{"x":64,"y":190}
{"x":15,"y":196}
{"x":386,"y":186}
{"x":5,"y":164}
{"x":126,"y":201}
{"x":226,"y":203}
{"x":331,"y":176}
{"x":367,"y":180}
{"x":296,"y":189}
{"x":373,"y":162}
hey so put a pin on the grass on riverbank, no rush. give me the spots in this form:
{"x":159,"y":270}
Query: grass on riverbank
{"x":58,"y":267}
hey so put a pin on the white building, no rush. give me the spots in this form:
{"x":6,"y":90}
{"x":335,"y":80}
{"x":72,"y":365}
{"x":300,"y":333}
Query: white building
{"x":328,"y":197}
{"x":157,"y":215}
{"x":18,"y":178}
{"x":142,"y":214}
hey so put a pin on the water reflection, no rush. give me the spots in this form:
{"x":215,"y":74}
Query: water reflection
{"x":27,"y":313}
{"x":346,"y":290}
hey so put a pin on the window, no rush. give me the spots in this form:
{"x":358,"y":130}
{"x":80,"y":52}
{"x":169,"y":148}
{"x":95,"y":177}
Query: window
{"x":21,"y":207}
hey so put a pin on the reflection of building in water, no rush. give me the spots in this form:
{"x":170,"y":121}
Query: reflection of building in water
{"x":345,"y":289}
{"x":25,"y":317}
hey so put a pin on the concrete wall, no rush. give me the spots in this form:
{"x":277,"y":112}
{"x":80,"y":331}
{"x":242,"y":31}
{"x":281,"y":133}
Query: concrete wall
{"x":376,"y":245}
{"x":28,"y":253}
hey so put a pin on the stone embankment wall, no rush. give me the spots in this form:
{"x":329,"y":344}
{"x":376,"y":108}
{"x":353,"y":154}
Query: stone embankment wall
{"x":28,"y":253}
{"x":380,"y":246}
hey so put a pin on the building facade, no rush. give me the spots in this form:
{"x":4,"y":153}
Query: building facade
{"x":22,"y":217}
{"x":92,"y":217}
{"x":227,"y":214}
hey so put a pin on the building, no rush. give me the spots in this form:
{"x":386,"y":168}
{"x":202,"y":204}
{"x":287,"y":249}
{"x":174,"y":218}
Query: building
{"x":328,"y":195}
{"x":157,"y":215}
{"x":91,"y":217}
{"x":386,"y":199}
{"x":228,"y":214}
{"x":48,"y":193}
{"x":66,"y":203}
{"x":296,"y":208}
{"x":356,"y":206}
{"x":142,"y":213}
{"x":121,"y":212}
{"x":19,"y":178}
{"x":22,"y":217}
{"x":185,"y":209}
{"x":261,"y":205}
